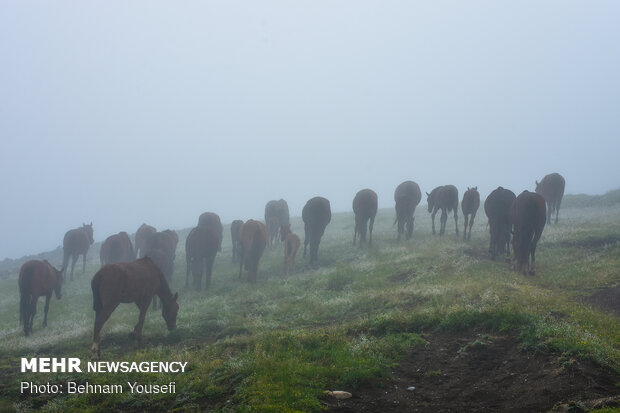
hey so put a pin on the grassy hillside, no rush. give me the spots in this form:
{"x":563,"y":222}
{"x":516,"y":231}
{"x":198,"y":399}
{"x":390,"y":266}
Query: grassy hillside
{"x":278,"y":345}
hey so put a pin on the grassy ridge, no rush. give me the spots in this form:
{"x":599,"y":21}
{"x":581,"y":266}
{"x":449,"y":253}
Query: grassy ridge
{"x":277,"y":346}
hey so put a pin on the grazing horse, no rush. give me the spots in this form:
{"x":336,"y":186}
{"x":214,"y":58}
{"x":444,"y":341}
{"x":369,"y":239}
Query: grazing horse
{"x":407,"y":197}
{"x":552,"y":189}
{"x":212,"y":220}
{"x":497,"y":209}
{"x":469,"y":206}
{"x":316,"y":215}
{"x":162,"y":261}
{"x":130,"y":282}
{"x":75,"y":243}
{"x":142,"y":236}
{"x":200,"y":250}
{"x":37,"y":278}
{"x":445,"y":198}
{"x":276,"y":215}
{"x":116,"y":248}
{"x":291,"y":245}
{"x":235,"y":226}
{"x":365,"y":206}
{"x":528,"y":215}
{"x":252,"y":240}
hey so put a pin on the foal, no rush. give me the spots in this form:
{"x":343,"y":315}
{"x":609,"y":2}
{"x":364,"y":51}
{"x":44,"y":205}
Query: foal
{"x":291,"y":245}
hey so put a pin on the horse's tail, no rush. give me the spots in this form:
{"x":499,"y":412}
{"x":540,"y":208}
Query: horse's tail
{"x":97,"y":305}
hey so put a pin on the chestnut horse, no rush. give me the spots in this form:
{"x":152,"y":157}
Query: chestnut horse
{"x":528,"y":215}
{"x":365,"y":206}
{"x":316,"y":214}
{"x":291,"y":245}
{"x":201,"y":248}
{"x":407,"y":197}
{"x":116,"y":248}
{"x":445,"y":198}
{"x":130,"y":282}
{"x":235,"y":226}
{"x":162,"y":261}
{"x":469,"y":206}
{"x":142,"y":235}
{"x":37,"y":278}
{"x":252,"y":240}
{"x":75,"y":243}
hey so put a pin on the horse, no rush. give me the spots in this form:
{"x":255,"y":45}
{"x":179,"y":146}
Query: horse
{"x":316,"y":214}
{"x":212,"y":220}
{"x":365,"y":206}
{"x":200,"y":249}
{"x":497,"y":209}
{"x":37,"y":278}
{"x":528,"y":213}
{"x":142,"y":235}
{"x":165,"y":241}
{"x":130,"y":282}
{"x":445,"y":198}
{"x":75,"y":243}
{"x":252,"y":240}
{"x":551,"y":187}
{"x":407,"y":196}
{"x":276,"y":215}
{"x":116,"y":248}
{"x":469,"y":206}
{"x":162,"y":261}
{"x":235,"y":226}
{"x":291,"y":245}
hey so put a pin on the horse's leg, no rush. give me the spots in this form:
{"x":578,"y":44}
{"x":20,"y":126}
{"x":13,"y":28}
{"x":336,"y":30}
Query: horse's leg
{"x":101,"y":317}
{"x":471,"y":224}
{"x":537,"y":235}
{"x":465,"y":226}
{"x":47,"y":307}
{"x":208,"y":271}
{"x":370,"y":225}
{"x":73,"y":260}
{"x":84,"y":263}
{"x":355,"y":231}
{"x":456,"y":219}
{"x":435,"y":209}
{"x":443,"y":220}
{"x":33,"y":309}
{"x":143,"y":305}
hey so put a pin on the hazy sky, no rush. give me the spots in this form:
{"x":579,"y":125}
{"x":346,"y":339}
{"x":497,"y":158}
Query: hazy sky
{"x":124,"y":112}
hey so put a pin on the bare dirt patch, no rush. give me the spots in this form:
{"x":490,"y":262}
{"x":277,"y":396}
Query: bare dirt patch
{"x":607,"y":300}
{"x":483,"y":373}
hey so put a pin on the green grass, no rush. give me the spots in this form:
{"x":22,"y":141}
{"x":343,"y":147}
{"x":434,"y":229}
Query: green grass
{"x":279,"y":345}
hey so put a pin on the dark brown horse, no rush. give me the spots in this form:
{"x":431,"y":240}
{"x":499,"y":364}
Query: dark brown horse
{"x":291,"y":245}
{"x":445,"y":198}
{"x":407,"y":197}
{"x":200,"y":249}
{"x":142,"y":235}
{"x":36,"y":278}
{"x":235,"y":226}
{"x":316,"y":214}
{"x":497,"y":209}
{"x":162,"y":261}
{"x":212,"y":220}
{"x":469,"y":206}
{"x":130,"y":282}
{"x":116,"y":248}
{"x":365,"y":206}
{"x":552,"y":189}
{"x":165,"y":241}
{"x":276,"y":215}
{"x":528,"y":215}
{"x":252,"y":243}
{"x":75,"y":243}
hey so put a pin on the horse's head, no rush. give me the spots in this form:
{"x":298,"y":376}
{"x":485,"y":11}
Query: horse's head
{"x":89,"y":230}
{"x":430,"y":201}
{"x":169,"y":311}
{"x":58,"y":281}
{"x":538,"y":188}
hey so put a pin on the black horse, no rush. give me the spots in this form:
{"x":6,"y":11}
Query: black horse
{"x":445,"y":198}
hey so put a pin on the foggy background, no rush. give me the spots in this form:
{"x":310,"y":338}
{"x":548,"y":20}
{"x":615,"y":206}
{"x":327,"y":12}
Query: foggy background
{"x":121,"y":112}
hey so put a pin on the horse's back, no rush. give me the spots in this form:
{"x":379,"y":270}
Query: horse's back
{"x":36,"y":275}
{"x":127,"y":282}
{"x":365,"y":203}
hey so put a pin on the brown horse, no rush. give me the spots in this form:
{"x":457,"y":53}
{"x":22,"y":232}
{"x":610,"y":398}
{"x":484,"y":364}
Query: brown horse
{"x":130,"y":282}
{"x":165,"y":241}
{"x":276,"y":215}
{"x":407,"y":197}
{"x":37,"y":278}
{"x":200,"y":248}
{"x":291,"y":245}
{"x":528,"y":215}
{"x":212,"y":220}
{"x":445,"y":198}
{"x":552,"y":189}
{"x":497,"y":208}
{"x":235,"y":226}
{"x":252,"y":240}
{"x":469,"y":206}
{"x":75,"y":243}
{"x":365,"y":206}
{"x":116,"y":248}
{"x":316,"y":214}
{"x":142,"y":235}
{"x":162,"y":261}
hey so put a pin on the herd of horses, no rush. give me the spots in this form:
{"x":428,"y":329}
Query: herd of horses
{"x":141,"y":273}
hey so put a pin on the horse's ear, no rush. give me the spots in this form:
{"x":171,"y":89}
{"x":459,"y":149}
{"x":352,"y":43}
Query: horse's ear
{"x":537,"y":183}
{"x":176,"y":295}
{"x":475,"y":188}
{"x":91,"y":224}
{"x":427,"y":194}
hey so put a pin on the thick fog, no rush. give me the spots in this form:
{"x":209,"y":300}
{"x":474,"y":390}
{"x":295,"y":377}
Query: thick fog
{"x":123,"y":112}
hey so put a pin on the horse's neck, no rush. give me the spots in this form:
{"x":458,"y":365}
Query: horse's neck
{"x":164,"y":290}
